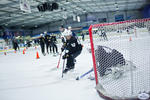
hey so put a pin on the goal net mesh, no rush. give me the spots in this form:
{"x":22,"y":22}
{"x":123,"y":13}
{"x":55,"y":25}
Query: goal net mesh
{"x":121,"y":58}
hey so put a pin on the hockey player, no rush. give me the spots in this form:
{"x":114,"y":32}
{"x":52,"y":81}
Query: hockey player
{"x":82,"y":34}
{"x":47,"y":41}
{"x":42,"y":44}
{"x":15,"y":45}
{"x":50,"y":43}
{"x":73,"y":49}
{"x":54,"y":43}
{"x":103,"y":34}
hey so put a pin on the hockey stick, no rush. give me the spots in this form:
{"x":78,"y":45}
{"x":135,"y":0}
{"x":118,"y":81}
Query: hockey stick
{"x":59,"y":60}
{"x":63,"y":66}
{"x":79,"y":77}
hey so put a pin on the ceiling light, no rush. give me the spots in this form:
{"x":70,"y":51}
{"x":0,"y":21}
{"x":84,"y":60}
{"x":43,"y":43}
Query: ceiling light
{"x":116,"y":4}
{"x":6,"y":24}
{"x":42,"y":16}
{"x":84,"y":11}
{"x":117,"y":8}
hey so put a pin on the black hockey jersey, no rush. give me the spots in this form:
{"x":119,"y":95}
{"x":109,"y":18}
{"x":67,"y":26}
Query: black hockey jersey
{"x":73,"y":45}
{"x":47,"y":38}
{"x":42,"y":41}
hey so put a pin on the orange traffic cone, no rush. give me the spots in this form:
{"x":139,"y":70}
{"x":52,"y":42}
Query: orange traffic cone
{"x":23,"y":51}
{"x":37,"y":55}
{"x":15,"y":51}
{"x":5,"y":53}
{"x":130,"y":39}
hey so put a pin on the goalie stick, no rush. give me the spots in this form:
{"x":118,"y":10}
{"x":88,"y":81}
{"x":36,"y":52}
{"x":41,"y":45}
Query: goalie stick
{"x":79,"y":77}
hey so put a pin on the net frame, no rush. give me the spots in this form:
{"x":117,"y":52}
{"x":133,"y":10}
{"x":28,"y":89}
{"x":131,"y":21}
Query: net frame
{"x":136,"y":21}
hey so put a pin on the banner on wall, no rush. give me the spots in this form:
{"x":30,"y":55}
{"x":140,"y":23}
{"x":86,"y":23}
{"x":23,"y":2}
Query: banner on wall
{"x":25,"y":6}
{"x":146,"y":11}
{"x":102,"y":20}
{"x":119,"y":18}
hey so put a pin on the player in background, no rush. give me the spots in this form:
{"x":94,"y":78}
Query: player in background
{"x":82,"y":34}
{"x":15,"y":45}
{"x":63,"y":31}
{"x":128,"y":31}
{"x":50,"y":43}
{"x":135,"y":31}
{"x":47,"y":37}
{"x":42,"y":44}
{"x":73,"y":49}
{"x":54,"y":44}
{"x":103,"y":34}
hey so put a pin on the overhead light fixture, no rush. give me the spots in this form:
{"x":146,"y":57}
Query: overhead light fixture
{"x":42,"y":16}
{"x":9,"y":15}
{"x":67,"y":2}
{"x":84,"y":11}
{"x":6,"y":24}
{"x":117,"y":8}
{"x":116,"y":4}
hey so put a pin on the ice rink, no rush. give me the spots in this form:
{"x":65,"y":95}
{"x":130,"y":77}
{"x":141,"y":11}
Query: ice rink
{"x":23,"y":77}
{"x":102,"y":48}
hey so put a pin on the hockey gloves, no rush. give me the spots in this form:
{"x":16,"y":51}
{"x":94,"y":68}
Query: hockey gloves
{"x":63,"y":47}
{"x":65,"y":56}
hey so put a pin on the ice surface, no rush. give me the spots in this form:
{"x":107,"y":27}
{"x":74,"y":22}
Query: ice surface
{"x":23,"y":77}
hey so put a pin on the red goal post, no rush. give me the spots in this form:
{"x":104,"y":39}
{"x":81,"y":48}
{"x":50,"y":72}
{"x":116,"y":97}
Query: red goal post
{"x":140,"y":24}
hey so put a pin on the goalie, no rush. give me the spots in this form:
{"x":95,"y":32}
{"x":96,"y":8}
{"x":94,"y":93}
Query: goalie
{"x":107,"y":59}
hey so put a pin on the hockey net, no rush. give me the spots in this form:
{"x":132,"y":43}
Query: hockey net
{"x":121,"y":59}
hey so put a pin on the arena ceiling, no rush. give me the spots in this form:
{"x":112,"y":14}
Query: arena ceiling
{"x":11,"y":15}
